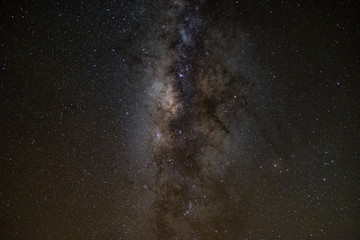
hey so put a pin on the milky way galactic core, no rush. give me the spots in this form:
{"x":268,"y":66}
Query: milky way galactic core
{"x":179,"y":120}
{"x":197,"y":100}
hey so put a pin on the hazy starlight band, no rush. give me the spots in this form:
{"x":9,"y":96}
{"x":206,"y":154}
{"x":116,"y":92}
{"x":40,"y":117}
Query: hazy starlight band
{"x":192,"y":126}
{"x":179,"y":120}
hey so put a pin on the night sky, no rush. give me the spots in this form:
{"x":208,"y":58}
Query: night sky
{"x":180,"y":120}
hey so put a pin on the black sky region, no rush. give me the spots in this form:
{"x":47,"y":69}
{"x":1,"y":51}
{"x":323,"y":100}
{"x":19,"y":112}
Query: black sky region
{"x":179,"y":120}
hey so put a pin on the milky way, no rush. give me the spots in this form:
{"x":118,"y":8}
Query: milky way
{"x":179,"y":120}
{"x":188,"y":123}
{"x":198,"y":101}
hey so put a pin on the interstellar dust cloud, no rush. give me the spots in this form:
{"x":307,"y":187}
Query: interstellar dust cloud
{"x":198,"y":109}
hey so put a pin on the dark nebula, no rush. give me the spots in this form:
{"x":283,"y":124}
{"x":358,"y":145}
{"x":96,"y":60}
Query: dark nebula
{"x":189,"y":151}
{"x":180,"y":120}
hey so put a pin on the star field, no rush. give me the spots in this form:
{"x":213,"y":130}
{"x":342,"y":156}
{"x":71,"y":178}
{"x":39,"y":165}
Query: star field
{"x":179,"y":120}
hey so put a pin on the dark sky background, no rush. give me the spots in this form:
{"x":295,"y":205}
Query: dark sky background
{"x":180,"y":120}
